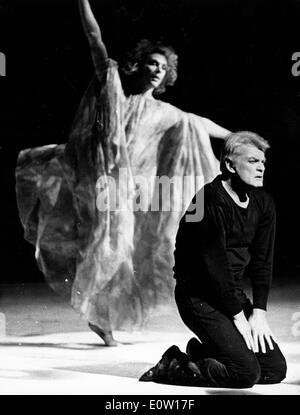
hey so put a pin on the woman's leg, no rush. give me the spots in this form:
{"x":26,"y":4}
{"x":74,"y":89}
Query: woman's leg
{"x":99,"y":319}
{"x":106,"y":336}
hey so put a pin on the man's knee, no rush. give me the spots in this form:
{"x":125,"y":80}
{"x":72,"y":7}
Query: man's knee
{"x":275,"y":375}
{"x":241,"y":373}
{"x":248,"y":374}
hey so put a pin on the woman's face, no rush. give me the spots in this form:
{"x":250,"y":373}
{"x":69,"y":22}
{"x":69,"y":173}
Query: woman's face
{"x":154,"y":70}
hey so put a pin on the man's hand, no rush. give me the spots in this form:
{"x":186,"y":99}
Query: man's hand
{"x":243,"y":326}
{"x":260,"y":329}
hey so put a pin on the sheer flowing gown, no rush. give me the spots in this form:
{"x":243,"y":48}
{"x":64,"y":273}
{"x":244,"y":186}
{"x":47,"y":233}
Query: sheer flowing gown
{"x":102,"y":210}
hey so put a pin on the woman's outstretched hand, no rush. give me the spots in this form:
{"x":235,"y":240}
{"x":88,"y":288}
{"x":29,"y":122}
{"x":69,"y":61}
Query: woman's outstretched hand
{"x":214,"y":129}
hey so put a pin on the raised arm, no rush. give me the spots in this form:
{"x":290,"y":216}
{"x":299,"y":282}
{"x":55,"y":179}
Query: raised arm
{"x":93,"y":33}
{"x":214,"y":129}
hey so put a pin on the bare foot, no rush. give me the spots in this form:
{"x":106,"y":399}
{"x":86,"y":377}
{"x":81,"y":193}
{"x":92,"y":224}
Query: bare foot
{"x":107,"y":337}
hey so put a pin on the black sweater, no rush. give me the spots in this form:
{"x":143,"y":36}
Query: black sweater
{"x":212,"y":254}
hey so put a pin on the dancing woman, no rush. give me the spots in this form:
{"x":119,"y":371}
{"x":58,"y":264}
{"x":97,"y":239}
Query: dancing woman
{"x":94,"y":207}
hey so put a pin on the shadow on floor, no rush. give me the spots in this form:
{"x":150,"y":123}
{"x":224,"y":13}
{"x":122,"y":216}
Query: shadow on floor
{"x":73,"y":346}
{"x":123,"y":369}
{"x":230,"y":392}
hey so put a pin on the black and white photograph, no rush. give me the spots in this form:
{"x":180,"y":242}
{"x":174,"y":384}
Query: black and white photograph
{"x":149,"y":200}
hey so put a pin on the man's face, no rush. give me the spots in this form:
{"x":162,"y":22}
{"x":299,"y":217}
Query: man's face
{"x":249,"y":165}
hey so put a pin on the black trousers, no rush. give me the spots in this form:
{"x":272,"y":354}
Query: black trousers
{"x":225,"y":359}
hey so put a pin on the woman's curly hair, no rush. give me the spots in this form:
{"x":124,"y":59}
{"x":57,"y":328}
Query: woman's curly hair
{"x":136,"y":58}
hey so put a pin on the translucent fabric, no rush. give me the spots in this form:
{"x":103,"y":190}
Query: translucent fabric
{"x":103,"y":209}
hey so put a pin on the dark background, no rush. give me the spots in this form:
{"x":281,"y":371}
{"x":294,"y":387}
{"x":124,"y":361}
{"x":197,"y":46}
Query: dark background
{"x":235,"y":68}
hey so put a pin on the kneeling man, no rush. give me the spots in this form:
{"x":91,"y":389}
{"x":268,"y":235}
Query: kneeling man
{"x":234,"y":238}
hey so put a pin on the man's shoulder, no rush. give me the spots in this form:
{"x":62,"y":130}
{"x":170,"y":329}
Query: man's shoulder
{"x":214,"y":193}
{"x":212,"y":198}
{"x":264,"y":200}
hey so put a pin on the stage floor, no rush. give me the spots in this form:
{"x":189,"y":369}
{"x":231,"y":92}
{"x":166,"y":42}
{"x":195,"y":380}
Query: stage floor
{"x":46,"y":349}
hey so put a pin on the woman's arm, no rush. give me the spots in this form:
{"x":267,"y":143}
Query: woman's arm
{"x":93,"y":33}
{"x":214,"y":129}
